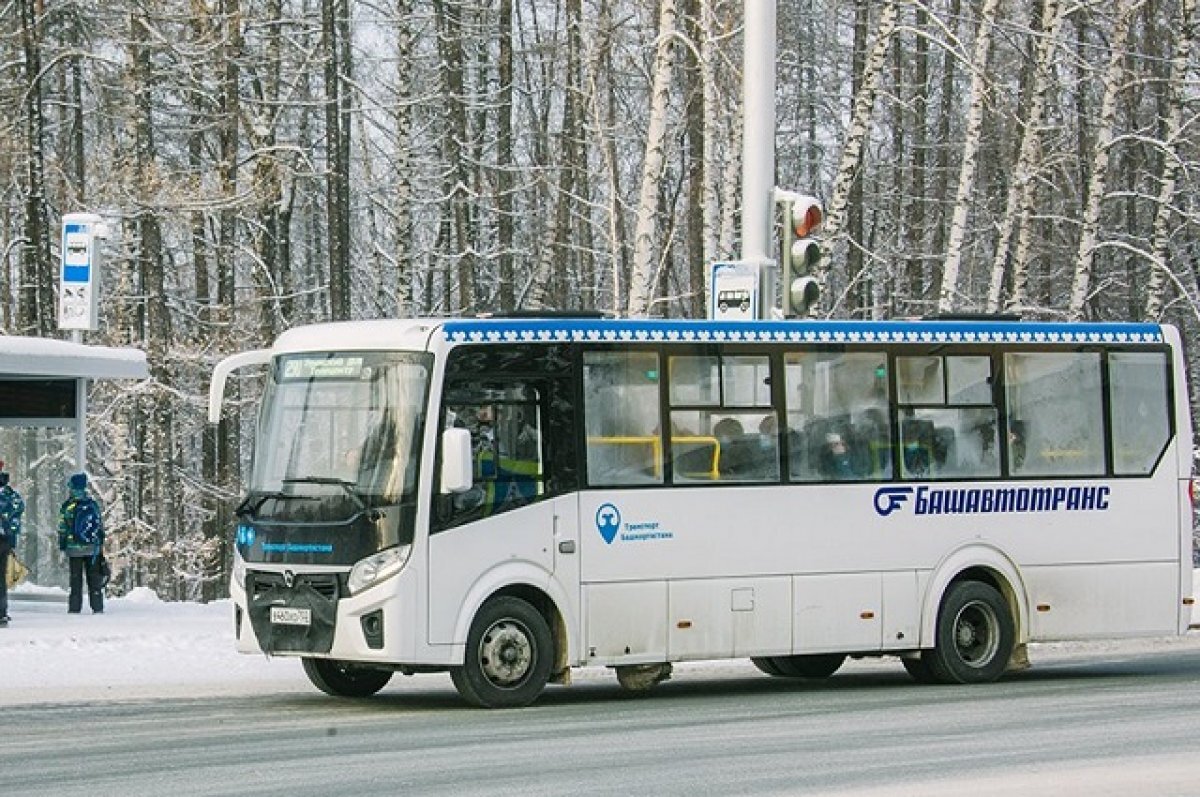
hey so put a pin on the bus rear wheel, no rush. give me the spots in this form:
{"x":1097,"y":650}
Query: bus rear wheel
{"x":344,"y":679}
{"x":508,"y":658}
{"x":975,"y":635}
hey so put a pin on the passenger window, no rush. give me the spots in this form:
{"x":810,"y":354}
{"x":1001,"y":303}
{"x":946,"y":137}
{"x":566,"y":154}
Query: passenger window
{"x":621,"y":418}
{"x":1140,"y":403}
{"x":969,"y":380}
{"x":695,"y":381}
{"x":722,"y":426}
{"x":940,"y":438}
{"x":919,"y":380}
{"x":1056,"y":423}
{"x":949,"y":443}
{"x":837,"y":416}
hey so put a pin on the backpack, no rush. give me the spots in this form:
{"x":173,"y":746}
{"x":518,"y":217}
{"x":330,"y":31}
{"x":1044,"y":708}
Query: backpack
{"x":87,"y":529}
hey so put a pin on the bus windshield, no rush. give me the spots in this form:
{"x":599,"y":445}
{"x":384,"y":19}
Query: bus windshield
{"x":342,"y":422}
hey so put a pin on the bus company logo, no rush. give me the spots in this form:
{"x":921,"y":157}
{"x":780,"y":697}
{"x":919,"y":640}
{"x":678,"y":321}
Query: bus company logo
{"x":608,"y":522}
{"x":889,"y":499}
{"x":245,"y":535}
{"x":612,"y":528}
{"x":988,"y":500}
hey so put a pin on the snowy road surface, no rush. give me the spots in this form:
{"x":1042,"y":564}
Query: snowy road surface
{"x":154,"y":701}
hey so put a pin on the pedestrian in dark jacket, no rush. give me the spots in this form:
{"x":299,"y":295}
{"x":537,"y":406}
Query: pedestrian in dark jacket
{"x":81,"y":538}
{"x":12,"y":507}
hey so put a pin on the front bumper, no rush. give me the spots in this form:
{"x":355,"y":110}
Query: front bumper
{"x":377,"y":625}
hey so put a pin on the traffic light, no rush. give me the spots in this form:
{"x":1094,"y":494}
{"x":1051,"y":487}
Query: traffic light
{"x":802,"y":218}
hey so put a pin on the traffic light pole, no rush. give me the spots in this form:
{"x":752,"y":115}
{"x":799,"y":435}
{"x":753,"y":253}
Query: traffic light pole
{"x":758,"y":143}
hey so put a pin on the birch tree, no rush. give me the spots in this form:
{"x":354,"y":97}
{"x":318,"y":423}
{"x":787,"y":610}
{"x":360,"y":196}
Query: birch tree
{"x":644,"y":275}
{"x":852,"y":147}
{"x":1089,"y":238}
{"x":950,"y":297}
{"x":1019,"y":205}
{"x":1172,"y":161}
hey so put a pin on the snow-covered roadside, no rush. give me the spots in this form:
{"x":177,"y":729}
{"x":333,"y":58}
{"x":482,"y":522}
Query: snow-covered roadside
{"x":144,"y":647}
{"x":140,"y":646}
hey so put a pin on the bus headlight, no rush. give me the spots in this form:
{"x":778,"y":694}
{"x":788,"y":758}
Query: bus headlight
{"x":377,"y":567}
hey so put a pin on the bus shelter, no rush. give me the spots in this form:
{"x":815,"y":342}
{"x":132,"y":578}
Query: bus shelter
{"x":43,"y":413}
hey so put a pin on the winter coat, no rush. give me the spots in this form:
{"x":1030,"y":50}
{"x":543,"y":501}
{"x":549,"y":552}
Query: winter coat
{"x":12,"y":507}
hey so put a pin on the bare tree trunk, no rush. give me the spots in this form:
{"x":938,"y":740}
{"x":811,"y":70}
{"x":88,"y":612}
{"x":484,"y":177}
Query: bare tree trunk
{"x":731,"y":188}
{"x":449,"y":15}
{"x":950,"y":296}
{"x":644,"y":275}
{"x":693,"y":12}
{"x":854,"y":199}
{"x":1172,"y":160}
{"x":915,"y":221}
{"x":227,"y":437}
{"x":549,"y":286}
{"x":1089,"y":238}
{"x":1022,"y":190}
{"x":36,"y":308}
{"x":852,"y":149}
{"x":505,"y":184}
{"x":710,"y":171}
{"x":604,"y":114}
{"x":336,"y":44}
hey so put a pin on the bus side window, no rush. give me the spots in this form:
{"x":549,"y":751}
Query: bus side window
{"x":1057,"y":395}
{"x":621,"y":418}
{"x":506,"y":444}
{"x":837,"y":413}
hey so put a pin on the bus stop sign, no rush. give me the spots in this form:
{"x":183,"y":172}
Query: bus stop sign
{"x":78,"y":285}
{"x":733,"y":291}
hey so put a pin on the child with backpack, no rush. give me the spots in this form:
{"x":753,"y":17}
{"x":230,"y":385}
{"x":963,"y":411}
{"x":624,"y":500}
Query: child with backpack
{"x":12,"y":506}
{"x":81,"y":538}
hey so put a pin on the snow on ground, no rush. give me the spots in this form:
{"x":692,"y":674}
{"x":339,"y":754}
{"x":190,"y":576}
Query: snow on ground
{"x":144,"y":647}
{"x":141,"y":646}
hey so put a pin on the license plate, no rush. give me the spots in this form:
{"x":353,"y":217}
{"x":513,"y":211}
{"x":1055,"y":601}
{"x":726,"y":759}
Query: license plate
{"x":286,"y":615}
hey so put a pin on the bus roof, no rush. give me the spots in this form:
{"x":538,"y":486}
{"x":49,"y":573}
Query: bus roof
{"x":415,"y":334}
{"x":411,"y":334}
{"x":509,"y":330}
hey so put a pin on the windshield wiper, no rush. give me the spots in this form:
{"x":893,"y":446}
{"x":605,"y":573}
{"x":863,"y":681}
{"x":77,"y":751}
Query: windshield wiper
{"x":345,"y":485}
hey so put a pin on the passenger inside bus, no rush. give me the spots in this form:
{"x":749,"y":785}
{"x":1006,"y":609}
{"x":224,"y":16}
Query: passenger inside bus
{"x":834,"y":460}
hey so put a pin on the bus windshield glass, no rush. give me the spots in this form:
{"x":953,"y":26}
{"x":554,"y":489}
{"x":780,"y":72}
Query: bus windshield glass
{"x":347,"y":422}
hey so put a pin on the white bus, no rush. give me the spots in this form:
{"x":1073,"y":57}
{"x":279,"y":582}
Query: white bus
{"x":501,"y":498}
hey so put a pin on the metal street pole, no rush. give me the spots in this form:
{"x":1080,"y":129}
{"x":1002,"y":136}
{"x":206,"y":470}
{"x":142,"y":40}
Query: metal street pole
{"x":758,"y":142}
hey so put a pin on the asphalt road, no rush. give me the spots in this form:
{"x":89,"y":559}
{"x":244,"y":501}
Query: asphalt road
{"x":1093,"y":721}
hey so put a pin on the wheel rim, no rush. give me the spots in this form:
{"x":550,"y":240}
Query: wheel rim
{"x":506,"y":653}
{"x":976,"y":634}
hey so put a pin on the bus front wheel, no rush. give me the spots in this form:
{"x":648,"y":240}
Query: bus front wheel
{"x":975,"y":635}
{"x":508,"y":658}
{"x":343,"y":679}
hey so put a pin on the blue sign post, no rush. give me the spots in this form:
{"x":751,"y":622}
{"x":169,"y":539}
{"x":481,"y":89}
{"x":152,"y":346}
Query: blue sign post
{"x":78,"y":284}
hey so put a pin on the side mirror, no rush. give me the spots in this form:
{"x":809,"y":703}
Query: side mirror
{"x":456,"y":461}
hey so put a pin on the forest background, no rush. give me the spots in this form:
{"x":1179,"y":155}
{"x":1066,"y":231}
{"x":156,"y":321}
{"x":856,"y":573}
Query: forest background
{"x":266,"y":163}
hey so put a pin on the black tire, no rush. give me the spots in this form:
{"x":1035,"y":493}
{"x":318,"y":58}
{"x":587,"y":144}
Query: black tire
{"x":344,"y":679}
{"x":918,"y":668}
{"x":508,"y":658}
{"x":975,"y":635}
{"x":768,"y":665}
{"x":821,"y":665}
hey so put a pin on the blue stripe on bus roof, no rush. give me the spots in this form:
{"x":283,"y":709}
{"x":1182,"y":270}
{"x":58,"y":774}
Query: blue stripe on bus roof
{"x":508,"y":330}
